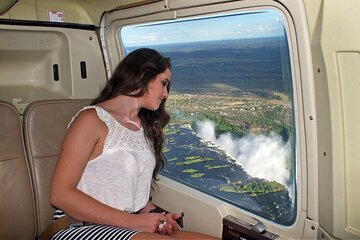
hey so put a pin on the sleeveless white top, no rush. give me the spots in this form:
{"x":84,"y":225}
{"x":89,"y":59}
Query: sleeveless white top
{"x":121,"y":176}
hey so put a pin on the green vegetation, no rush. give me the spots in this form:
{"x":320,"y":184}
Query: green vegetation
{"x":172,"y":159}
{"x":197,"y":175}
{"x":253,"y":188}
{"x":166,"y":149}
{"x":192,"y":160}
{"x":190,"y":170}
{"x":240,"y":113}
{"x":193,"y":173}
{"x":216,"y":167}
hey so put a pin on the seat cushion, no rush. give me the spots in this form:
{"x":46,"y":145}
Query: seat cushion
{"x":45,"y":125}
{"x":17,"y":207}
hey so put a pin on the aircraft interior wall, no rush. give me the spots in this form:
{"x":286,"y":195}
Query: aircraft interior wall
{"x":336,"y":58}
{"x":42,"y":63}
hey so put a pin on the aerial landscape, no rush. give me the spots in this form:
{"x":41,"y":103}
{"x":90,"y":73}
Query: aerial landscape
{"x":208,"y":167}
{"x":232,"y":130}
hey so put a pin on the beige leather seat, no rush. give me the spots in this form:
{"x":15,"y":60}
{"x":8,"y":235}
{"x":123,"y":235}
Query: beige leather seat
{"x":45,"y":124}
{"x":17,"y":208}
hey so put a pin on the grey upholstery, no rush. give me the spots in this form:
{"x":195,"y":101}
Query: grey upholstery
{"x":45,"y":124}
{"x":17,"y":207}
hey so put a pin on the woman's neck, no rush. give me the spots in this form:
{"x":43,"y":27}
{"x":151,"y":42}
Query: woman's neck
{"x":125,"y":110}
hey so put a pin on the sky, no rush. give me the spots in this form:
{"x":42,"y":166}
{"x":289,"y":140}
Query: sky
{"x":221,"y":27}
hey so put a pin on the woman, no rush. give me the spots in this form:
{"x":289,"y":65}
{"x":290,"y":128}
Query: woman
{"x":112,"y":152}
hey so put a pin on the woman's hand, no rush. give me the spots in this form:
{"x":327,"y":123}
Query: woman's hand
{"x":148,"y":222}
{"x":170,"y":226}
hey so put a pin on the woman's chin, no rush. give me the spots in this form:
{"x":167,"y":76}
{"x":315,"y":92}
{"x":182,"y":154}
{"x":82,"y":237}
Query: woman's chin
{"x":152,"y":108}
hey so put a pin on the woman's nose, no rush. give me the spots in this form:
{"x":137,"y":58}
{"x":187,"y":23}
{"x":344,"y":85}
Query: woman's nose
{"x":165,"y":93}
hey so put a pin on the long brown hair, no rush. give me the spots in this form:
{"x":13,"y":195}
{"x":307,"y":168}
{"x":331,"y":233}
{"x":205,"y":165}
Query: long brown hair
{"x":133,"y":74}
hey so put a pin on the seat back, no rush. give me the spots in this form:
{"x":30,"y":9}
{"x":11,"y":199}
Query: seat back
{"x":45,"y":124}
{"x":17,"y":207}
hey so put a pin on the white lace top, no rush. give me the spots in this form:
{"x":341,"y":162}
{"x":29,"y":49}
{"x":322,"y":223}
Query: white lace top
{"x":121,"y":176}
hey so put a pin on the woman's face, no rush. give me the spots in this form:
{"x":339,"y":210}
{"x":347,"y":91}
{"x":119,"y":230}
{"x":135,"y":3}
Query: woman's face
{"x":157,"y":91}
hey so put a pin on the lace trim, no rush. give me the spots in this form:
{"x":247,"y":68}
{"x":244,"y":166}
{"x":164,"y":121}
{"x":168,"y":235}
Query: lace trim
{"x":119,"y":137}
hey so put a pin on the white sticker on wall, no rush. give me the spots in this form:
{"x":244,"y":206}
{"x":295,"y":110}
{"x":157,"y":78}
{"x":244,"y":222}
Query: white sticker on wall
{"x":56,"y":16}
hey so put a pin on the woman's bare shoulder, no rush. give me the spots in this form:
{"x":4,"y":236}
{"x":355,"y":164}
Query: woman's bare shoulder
{"x":87,"y":118}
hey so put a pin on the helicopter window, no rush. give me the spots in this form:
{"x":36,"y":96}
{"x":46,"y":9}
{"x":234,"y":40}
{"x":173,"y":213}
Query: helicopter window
{"x":232,"y":133}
